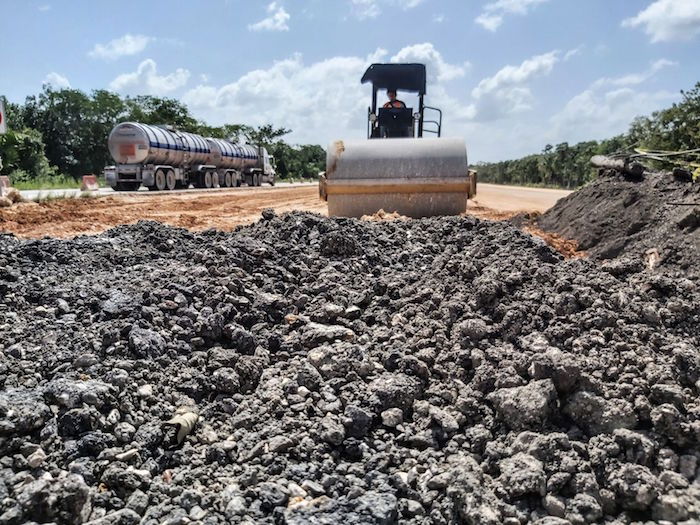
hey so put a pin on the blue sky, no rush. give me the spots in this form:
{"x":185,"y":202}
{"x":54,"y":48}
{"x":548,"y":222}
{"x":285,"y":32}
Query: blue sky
{"x":510,"y":75}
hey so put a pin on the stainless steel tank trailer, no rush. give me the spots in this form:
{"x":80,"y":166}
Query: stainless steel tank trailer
{"x":163,"y":158}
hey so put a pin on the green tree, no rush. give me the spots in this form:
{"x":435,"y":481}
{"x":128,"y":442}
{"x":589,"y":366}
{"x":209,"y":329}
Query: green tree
{"x":23,"y":157}
{"x":675,"y":128}
{"x":265,"y":135}
{"x":62,"y":118}
{"x":302,"y":161}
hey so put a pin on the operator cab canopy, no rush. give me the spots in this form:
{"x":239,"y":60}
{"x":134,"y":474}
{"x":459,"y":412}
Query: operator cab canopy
{"x":406,"y":77}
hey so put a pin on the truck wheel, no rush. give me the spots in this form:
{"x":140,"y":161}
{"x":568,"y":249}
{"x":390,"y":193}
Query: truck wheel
{"x":227,"y":180}
{"x":160,"y":180}
{"x":208,"y":180}
{"x":130,"y":186}
{"x":170,"y":180}
{"x":257,"y":180}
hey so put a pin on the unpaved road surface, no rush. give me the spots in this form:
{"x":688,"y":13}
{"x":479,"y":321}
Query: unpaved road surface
{"x":221,"y":209}
{"x":517,"y":198}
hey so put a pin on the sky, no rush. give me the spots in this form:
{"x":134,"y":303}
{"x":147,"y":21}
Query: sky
{"x":509,"y":75}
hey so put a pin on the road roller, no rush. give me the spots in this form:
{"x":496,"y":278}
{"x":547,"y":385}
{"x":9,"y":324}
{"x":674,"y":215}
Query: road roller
{"x":396,"y":169}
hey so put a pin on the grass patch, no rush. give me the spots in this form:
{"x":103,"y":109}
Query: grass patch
{"x":297,"y":179}
{"x":58,"y":182}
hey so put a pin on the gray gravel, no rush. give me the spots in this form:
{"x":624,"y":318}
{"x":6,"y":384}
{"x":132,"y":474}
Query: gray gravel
{"x":429,"y":371}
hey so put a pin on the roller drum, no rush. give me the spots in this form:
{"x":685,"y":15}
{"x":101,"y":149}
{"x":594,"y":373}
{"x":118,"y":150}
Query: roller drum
{"x":414,"y":177}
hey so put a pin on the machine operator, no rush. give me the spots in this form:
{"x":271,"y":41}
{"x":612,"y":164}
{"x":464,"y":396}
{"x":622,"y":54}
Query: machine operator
{"x":393,"y":102}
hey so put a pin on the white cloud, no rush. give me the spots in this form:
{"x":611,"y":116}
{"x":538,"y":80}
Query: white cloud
{"x":666,"y":20}
{"x":147,"y":80}
{"x":439,"y":18}
{"x":124,"y":46}
{"x":276,"y":21}
{"x":493,"y":13}
{"x":364,"y":9}
{"x":367,"y":9}
{"x":44,"y":8}
{"x":320,"y":101}
{"x":437,"y":69}
{"x":306,"y":98}
{"x":608,"y":106}
{"x":324,"y":100}
{"x":56,"y":80}
{"x":512,"y":75}
{"x":489,"y":22}
{"x":572,"y":53}
{"x":596,"y":113}
{"x":507,"y":92}
{"x":633,"y":79}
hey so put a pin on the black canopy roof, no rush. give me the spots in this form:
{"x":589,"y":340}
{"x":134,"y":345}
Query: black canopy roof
{"x":407,"y":77}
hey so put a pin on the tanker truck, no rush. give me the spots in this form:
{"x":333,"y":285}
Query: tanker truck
{"x":163,"y":158}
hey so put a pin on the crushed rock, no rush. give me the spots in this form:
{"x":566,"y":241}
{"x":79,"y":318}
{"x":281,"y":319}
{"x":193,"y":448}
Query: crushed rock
{"x":423,"y":371}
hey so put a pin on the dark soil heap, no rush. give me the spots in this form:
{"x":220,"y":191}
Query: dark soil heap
{"x":620,"y":215}
{"x":428,"y":371}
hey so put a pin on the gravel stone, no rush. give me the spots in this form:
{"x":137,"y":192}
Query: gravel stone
{"x":445,"y":370}
{"x":392,"y":417}
{"x":526,"y":406}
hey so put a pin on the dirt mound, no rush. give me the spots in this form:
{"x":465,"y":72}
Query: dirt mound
{"x":424,"y":371}
{"x":619,"y":216}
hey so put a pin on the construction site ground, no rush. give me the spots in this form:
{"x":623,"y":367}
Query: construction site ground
{"x":222,"y":209}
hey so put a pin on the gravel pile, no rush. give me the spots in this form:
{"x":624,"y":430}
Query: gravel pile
{"x":339,"y":371}
{"x":655,"y":218}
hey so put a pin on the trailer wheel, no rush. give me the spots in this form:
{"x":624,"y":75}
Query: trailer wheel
{"x":161,"y":180}
{"x":227,"y":179}
{"x":256,"y":179}
{"x":208,"y":180}
{"x":170,"y":180}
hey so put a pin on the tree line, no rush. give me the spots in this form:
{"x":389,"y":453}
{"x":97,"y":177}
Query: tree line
{"x":64,"y":133}
{"x":672,"y":129}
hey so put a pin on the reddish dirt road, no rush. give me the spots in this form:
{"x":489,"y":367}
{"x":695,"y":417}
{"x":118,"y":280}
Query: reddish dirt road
{"x":223,"y":210}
